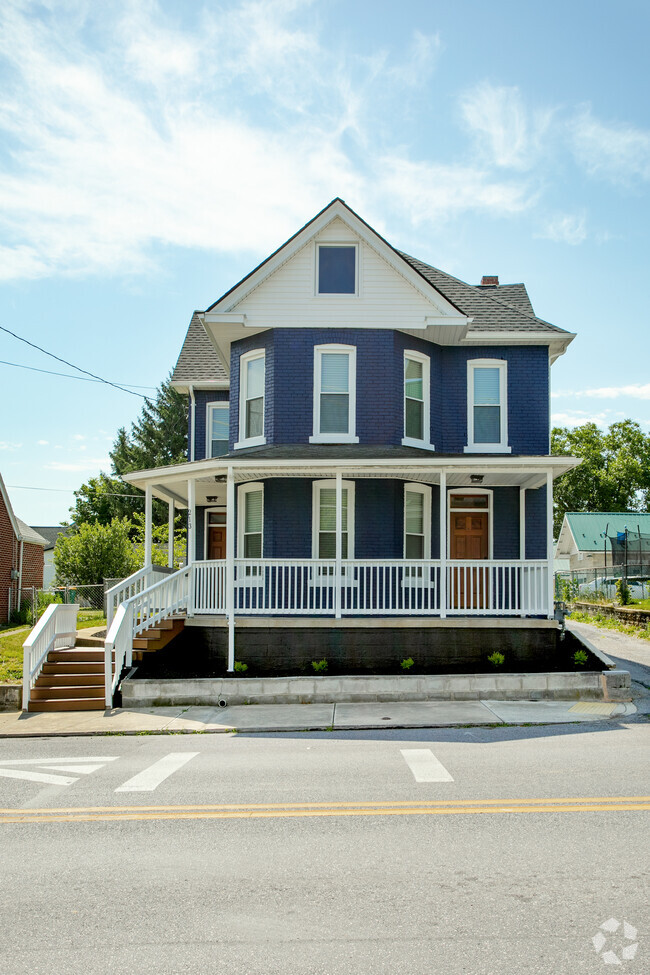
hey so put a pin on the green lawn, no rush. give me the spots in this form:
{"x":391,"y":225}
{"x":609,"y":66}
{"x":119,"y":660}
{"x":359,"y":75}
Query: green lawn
{"x":11,"y":645}
{"x":610,"y":623}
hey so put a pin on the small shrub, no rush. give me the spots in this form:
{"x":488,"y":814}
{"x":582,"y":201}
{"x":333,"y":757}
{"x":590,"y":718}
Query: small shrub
{"x":580,"y":658}
{"x":569,"y":590}
{"x":45,"y":599}
{"x":497,"y":659}
{"x":320,"y":666}
{"x":240,"y":667}
{"x":407,"y":663}
{"x":622,"y":592}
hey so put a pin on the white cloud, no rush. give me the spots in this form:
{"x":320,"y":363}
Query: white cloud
{"x":565,"y":229}
{"x":225,"y":135}
{"x":42,"y":443}
{"x":8,"y":445}
{"x":616,"y":151}
{"x":633,"y":390}
{"x":576,"y":418}
{"x":90,"y":464}
{"x":506,"y":132}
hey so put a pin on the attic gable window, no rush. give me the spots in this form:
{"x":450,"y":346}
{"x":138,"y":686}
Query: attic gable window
{"x":336,"y":269}
{"x":487,"y":406}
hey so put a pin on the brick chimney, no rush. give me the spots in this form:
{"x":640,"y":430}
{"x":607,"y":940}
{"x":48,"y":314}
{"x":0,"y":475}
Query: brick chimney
{"x":490,"y":281}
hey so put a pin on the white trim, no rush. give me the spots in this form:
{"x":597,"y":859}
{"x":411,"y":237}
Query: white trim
{"x":243,"y":490}
{"x":190,"y":390}
{"x":351,"y":352}
{"x":425,"y":360}
{"x":222,"y":509}
{"x":336,"y":294}
{"x":243,"y":440}
{"x":315,"y":514}
{"x":223,"y":404}
{"x":488,"y":448}
{"x":490,"y":510}
{"x":425,"y":491}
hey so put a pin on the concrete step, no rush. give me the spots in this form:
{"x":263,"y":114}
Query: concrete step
{"x":89,"y":641}
{"x":69,"y":704}
{"x":56,"y":693}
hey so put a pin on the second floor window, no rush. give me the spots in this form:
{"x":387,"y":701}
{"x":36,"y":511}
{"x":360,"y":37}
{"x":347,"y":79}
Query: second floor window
{"x":218,"y":429}
{"x":334,"y":394}
{"x":487,"y":413}
{"x":416,"y":399}
{"x":251,"y":398}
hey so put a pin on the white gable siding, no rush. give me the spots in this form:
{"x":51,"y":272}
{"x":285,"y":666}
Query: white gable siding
{"x":287,"y":298}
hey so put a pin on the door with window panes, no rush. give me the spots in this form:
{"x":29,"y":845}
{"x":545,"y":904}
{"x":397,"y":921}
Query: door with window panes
{"x":469,"y":540}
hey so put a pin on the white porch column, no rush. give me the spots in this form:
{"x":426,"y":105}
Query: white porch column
{"x":191,"y":541}
{"x":148,"y":506}
{"x":170,"y":536}
{"x":338,"y":578}
{"x":522,"y":551}
{"x":443,"y":544}
{"x":549,"y":544}
{"x":230,"y":566}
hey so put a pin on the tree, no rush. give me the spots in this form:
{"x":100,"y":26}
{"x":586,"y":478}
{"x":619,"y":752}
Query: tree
{"x":95,"y":552}
{"x":157,"y":438}
{"x":614,"y":474}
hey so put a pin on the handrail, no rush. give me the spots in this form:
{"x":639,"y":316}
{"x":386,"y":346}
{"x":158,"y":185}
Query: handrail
{"x":56,"y":627}
{"x":141,"y":612}
{"x":133,"y":584}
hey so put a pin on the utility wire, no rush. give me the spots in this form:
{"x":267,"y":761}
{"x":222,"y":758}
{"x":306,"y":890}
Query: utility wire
{"x":71,"y":364}
{"x":104,"y":494}
{"x":66,"y":375}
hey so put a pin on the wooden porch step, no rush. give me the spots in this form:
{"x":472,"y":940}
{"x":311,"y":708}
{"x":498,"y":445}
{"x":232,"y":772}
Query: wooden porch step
{"x":73,"y":667}
{"x":69,"y":704}
{"x":85,"y":654}
{"x":89,"y":641}
{"x":49,"y":693}
{"x":158,"y":636}
{"x":94,"y":679}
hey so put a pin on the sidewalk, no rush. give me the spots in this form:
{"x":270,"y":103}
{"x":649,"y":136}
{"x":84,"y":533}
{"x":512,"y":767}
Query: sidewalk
{"x":304,"y":717}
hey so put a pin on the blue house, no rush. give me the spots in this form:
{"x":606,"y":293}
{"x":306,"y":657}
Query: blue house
{"x":368,"y":455}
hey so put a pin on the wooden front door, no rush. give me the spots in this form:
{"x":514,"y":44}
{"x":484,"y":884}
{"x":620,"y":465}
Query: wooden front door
{"x":217,"y":542}
{"x":469,"y":541}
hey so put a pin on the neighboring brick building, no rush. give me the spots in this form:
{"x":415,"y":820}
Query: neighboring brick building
{"x":21,"y":556}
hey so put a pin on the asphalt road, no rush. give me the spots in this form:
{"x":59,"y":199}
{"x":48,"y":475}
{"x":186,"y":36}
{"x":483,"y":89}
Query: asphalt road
{"x":279,"y":868}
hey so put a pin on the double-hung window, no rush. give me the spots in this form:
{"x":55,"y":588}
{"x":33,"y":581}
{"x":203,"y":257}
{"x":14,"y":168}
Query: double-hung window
{"x":217,"y":429}
{"x":334,"y":394}
{"x":252,"y":376}
{"x":324,"y":520}
{"x":487,"y":406}
{"x":417,"y":368}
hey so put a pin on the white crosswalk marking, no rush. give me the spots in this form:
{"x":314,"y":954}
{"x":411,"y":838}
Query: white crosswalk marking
{"x":150,"y":778}
{"x":425,"y":766}
{"x":79,"y":766}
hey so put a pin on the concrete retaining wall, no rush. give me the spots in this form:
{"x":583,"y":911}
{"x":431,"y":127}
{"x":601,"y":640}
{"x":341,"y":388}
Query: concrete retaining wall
{"x":626,"y":614}
{"x":11,"y":697}
{"x":592,"y":685}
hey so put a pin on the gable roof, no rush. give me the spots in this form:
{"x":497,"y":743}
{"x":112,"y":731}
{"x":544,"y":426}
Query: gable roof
{"x":586,"y":528}
{"x":198,"y":362}
{"x":22,"y":531}
{"x":50,"y":533}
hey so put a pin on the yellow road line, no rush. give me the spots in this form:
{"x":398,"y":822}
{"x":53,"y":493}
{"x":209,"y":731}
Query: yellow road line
{"x":137,"y":814}
{"x":223,"y":807}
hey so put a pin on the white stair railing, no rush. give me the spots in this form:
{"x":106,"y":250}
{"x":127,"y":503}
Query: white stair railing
{"x":131,"y":586}
{"x":141,"y":612}
{"x":57,"y":628}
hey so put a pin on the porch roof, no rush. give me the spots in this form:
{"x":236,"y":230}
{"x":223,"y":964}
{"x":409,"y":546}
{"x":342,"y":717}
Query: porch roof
{"x":353,"y":461}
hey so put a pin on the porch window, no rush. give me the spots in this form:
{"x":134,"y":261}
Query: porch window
{"x":337,"y":269}
{"x":218,"y":429}
{"x":334,"y":394}
{"x":416,"y":399}
{"x":251,"y":521}
{"x":487,"y":412}
{"x":417,"y":521}
{"x":324,"y":520}
{"x":251,"y":399}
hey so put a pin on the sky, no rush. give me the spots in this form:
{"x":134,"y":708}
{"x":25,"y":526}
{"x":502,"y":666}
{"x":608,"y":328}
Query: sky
{"x":152,"y":153}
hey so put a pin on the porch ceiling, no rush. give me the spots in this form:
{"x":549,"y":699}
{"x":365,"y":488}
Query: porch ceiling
{"x":171,"y":483}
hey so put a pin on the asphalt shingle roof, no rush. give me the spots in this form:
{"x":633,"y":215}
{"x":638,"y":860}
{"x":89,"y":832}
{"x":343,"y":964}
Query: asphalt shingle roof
{"x":50,"y":534}
{"x":198,"y":361}
{"x":29,"y":535}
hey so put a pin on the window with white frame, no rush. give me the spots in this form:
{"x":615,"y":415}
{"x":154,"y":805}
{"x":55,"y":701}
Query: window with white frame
{"x":336,"y":269}
{"x":218,"y":425}
{"x":417,"y":521}
{"x":417,"y":369}
{"x":334,"y":394}
{"x":324,"y":520}
{"x":252,"y":374}
{"x":250,"y":516}
{"x":487,"y":407}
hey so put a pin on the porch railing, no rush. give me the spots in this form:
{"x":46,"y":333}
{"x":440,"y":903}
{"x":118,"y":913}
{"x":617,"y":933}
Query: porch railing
{"x":131,"y":586}
{"x":56,"y":629}
{"x":371,"y":588}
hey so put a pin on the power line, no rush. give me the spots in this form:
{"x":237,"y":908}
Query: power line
{"x":103,"y":494}
{"x":66,"y":375}
{"x":71,"y":364}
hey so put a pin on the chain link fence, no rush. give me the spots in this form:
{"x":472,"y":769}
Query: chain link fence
{"x":599,"y":585}
{"x":33,"y":602}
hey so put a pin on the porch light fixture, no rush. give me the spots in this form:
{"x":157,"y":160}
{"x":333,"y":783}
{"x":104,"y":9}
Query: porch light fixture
{"x":219,"y":478}
{"x":211,"y":499}
{"x":476,"y":478}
